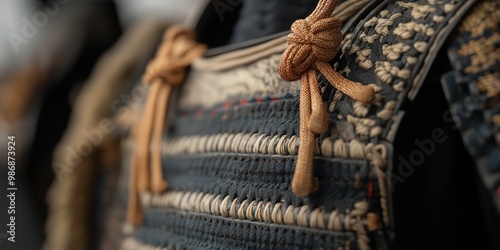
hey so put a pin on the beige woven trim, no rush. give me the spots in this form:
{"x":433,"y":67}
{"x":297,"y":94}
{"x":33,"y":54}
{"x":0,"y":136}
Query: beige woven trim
{"x":261,"y":144}
{"x":278,"y":213}
{"x":347,"y":9}
{"x":378,"y":155}
{"x":268,"y":212}
{"x":133,"y":244}
{"x":241,"y":57}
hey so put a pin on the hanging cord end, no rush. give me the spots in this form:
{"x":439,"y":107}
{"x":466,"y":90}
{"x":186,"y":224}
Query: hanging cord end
{"x":168,"y":69}
{"x":359,"y":92}
{"x":365,"y":94}
{"x":303,"y":186}
{"x":318,"y":123}
{"x":158,"y":184}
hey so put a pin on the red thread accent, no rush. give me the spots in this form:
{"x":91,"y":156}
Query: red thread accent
{"x":244,"y":102}
{"x":370,"y":190}
{"x":227,"y":105}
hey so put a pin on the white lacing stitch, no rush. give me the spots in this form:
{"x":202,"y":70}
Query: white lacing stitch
{"x":268,"y":212}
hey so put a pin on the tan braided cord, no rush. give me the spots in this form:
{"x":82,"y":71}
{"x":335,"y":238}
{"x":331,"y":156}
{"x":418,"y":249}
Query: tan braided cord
{"x":313,"y":43}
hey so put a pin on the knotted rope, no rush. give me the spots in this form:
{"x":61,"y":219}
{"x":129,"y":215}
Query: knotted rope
{"x":165,"y":71}
{"x":313,"y":43}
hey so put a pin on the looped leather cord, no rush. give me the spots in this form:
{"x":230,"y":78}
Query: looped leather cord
{"x":166,"y":70}
{"x":314,"y":42}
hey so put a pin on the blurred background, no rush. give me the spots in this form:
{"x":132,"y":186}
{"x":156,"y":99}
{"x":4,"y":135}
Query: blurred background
{"x":50,"y":53}
{"x":71,"y":68}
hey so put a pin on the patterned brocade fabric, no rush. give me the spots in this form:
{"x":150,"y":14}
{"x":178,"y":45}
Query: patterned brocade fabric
{"x":473,"y":90}
{"x":232,"y":139}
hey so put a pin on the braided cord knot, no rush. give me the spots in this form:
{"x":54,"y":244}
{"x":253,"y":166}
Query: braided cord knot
{"x":309,"y":44}
{"x":313,"y":43}
{"x":173,"y":57}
